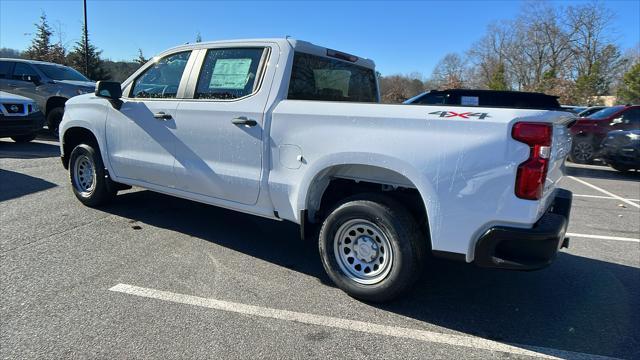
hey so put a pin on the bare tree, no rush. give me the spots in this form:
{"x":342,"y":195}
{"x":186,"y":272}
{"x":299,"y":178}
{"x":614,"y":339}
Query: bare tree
{"x":595,"y":57}
{"x":450,"y":72}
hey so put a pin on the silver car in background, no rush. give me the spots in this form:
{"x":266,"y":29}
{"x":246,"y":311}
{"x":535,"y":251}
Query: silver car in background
{"x":49,"y":85}
{"x":20,"y":117}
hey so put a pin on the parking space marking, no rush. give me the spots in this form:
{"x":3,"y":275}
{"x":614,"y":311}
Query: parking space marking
{"x":604,"y":191}
{"x":603,"y":237}
{"x":352,"y":325}
{"x":602,"y":197}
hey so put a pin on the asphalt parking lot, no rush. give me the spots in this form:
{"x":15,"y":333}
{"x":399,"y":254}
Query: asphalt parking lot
{"x":155,"y":276}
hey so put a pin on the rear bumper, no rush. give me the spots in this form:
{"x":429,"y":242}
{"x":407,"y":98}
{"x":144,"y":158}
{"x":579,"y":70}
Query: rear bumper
{"x":513,"y":248}
{"x":21,"y":125}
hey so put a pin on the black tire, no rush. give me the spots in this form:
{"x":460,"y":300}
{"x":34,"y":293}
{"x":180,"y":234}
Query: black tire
{"x":619,"y":167}
{"x":408,"y":246}
{"x":23,"y":138}
{"x":582,"y":151}
{"x":103,"y":189}
{"x":53,"y":119}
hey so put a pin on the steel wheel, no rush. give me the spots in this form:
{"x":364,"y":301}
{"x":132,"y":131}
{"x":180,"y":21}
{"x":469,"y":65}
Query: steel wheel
{"x":583,"y":151}
{"x":363,"y":251}
{"x":84,"y":175}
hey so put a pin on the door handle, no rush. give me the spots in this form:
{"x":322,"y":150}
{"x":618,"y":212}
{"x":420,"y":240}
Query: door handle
{"x":244,"y":122}
{"x":162,"y":116}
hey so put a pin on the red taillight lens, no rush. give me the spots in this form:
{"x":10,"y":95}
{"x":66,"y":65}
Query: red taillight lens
{"x":532,"y":173}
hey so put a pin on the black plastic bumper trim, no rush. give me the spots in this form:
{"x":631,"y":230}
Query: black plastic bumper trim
{"x":513,"y":248}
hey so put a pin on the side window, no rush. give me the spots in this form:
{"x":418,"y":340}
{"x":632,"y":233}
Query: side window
{"x":632,"y":117}
{"x":229,"y":73}
{"x":431,"y":99}
{"x":162,"y":79}
{"x":22,"y":70}
{"x":5,"y":69}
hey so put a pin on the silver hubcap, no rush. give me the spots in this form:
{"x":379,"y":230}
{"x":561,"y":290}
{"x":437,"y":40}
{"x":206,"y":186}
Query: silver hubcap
{"x":84,"y":175}
{"x":583,"y":151}
{"x":363,"y":251}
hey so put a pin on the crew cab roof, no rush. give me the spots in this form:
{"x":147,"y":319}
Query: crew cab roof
{"x":488,"y":98}
{"x":296,"y":45}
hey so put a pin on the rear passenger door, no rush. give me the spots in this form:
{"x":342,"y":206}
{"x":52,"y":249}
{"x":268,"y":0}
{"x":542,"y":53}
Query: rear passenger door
{"x":220,"y":124}
{"x":19,"y":82}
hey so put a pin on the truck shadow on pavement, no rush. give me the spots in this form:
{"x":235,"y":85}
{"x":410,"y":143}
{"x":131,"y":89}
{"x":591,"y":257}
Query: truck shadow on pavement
{"x":14,"y":185}
{"x":31,"y":150}
{"x":578,"y":304}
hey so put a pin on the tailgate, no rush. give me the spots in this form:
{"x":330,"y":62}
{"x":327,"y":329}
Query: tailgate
{"x":560,"y":149}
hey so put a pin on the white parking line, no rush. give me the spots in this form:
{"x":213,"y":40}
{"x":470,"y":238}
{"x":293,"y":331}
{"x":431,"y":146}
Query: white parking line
{"x":604,"y":191}
{"x":603,"y":237}
{"x":602,"y":197}
{"x":352,"y":325}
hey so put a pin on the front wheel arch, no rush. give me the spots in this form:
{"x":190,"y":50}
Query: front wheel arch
{"x":74,"y":136}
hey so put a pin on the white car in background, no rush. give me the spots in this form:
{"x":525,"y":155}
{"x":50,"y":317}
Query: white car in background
{"x":20,"y":117}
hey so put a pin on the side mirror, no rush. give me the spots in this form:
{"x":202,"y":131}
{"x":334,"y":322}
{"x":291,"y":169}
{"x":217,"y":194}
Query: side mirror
{"x":616,"y":121}
{"x":110,"y":90}
{"x":31,"y":78}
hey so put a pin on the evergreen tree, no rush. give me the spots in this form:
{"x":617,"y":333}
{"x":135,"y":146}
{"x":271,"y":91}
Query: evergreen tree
{"x":141,"y":59}
{"x":498,"y":80}
{"x":629,"y":92}
{"x":41,"y":47}
{"x":76,"y":59}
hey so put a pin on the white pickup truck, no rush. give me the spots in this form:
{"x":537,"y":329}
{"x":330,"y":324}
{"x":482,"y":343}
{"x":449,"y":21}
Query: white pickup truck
{"x":288,"y":130}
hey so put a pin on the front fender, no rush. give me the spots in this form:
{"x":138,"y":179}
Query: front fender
{"x":90,"y":115}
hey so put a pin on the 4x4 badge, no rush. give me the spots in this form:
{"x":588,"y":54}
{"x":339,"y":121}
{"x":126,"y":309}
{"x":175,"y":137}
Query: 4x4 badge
{"x":465,"y":115}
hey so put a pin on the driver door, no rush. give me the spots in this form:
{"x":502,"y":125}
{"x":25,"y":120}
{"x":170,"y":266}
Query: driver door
{"x":139,"y":135}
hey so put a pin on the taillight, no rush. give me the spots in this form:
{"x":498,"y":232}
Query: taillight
{"x":532,"y":173}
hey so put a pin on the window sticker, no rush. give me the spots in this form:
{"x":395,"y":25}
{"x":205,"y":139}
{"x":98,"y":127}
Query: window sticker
{"x":230,"y":74}
{"x":469,"y":100}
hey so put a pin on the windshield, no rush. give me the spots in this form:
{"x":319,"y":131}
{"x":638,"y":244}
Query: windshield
{"x":58,"y":72}
{"x":605,"y":113}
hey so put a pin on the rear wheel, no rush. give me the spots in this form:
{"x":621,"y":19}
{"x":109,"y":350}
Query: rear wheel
{"x":582,"y":151}
{"x":372,"y":247}
{"x":23,"y":138}
{"x":89,"y":179}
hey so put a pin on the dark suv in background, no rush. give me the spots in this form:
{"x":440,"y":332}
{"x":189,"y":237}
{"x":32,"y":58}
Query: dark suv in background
{"x":49,"y":85}
{"x":588,"y":133}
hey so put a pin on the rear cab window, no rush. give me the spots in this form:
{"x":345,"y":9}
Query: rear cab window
{"x":325,"y":79}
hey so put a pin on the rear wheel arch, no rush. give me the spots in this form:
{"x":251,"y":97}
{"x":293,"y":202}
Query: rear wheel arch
{"x":335,"y":183}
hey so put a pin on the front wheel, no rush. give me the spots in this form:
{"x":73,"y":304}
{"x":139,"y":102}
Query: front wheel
{"x":54,"y":117}
{"x":372,"y":248}
{"x":582,"y":151}
{"x":619,"y":167}
{"x":89,"y":180}
{"x":23,"y":138}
